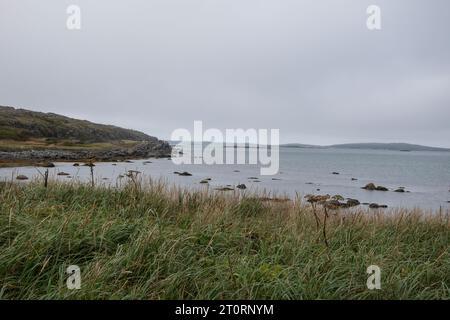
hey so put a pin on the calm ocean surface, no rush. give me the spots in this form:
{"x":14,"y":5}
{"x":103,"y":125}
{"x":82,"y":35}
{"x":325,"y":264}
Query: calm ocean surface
{"x":425,"y":174}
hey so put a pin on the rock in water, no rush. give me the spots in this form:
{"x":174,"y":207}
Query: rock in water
{"x":376,"y":206}
{"x":224,"y":189}
{"x":47,"y":165}
{"x":353,"y":202}
{"x":241,"y":186}
{"x":370,"y":186}
{"x":21,"y":177}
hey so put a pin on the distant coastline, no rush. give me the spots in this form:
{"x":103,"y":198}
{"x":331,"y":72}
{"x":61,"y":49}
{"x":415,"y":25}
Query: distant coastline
{"x":405,"y":147}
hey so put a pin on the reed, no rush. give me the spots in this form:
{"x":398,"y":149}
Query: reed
{"x":149,"y":240}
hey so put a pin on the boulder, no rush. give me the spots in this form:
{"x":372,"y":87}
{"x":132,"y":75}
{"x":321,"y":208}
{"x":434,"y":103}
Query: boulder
{"x":47,"y":165}
{"x":376,"y":206}
{"x":399,"y":190}
{"x":76,"y":164}
{"x":224,"y":189}
{"x":21,"y":177}
{"x":370,"y":186}
{"x":241,"y":186}
{"x":89,"y":164}
{"x":353,"y":202}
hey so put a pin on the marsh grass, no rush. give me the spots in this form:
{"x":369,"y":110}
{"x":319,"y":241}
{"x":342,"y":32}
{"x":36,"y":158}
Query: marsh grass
{"x":148,"y":240}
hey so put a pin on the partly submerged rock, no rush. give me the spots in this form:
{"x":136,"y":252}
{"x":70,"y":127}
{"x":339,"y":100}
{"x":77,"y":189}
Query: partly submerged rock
{"x":62,"y":173}
{"x":224,"y":189}
{"x":76,"y":164}
{"x":372,"y":187}
{"x":241,"y":186}
{"x":376,"y":206}
{"x":400,"y":190}
{"x":21,"y":177}
{"x":184,"y":173}
{"x":353,"y":202}
{"x":47,"y":165}
{"x":204,"y":181}
{"x":89,"y":164}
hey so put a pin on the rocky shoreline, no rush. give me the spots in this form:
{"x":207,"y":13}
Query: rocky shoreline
{"x":145,"y":149}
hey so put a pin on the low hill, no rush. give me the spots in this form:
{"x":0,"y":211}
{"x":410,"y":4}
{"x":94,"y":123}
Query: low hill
{"x":370,"y":146}
{"x":21,"y":124}
{"x":29,"y":136}
{"x":388,"y":146}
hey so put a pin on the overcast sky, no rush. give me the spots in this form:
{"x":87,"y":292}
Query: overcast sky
{"x":310,"y":68}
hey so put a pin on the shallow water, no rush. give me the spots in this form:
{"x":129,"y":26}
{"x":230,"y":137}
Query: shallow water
{"x":425,"y":174}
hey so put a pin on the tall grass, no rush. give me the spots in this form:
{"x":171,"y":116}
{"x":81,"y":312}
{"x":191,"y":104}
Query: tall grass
{"x":151,"y":241}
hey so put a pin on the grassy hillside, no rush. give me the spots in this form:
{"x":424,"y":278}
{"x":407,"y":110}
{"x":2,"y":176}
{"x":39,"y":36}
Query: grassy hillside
{"x":146,"y":241}
{"x":24,"y":125}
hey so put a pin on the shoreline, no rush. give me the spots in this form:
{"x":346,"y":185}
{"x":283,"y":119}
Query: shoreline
{"x":333,"y":201}
{"x":228,"y":178}
{"x":142,"y":150}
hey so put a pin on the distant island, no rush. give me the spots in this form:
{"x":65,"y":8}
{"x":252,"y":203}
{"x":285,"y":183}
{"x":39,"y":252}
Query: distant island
{"x":370,"y":146}
{"x":28,"y":136}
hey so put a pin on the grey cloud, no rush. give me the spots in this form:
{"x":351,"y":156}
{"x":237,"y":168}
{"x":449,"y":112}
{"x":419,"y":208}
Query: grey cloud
{"x":310,"y":68}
